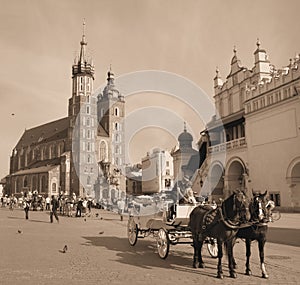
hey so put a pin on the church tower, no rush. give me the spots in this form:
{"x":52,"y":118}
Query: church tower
{"x":111,"y":115}
{"x":111,"y":110}
{"x":83,"y":123}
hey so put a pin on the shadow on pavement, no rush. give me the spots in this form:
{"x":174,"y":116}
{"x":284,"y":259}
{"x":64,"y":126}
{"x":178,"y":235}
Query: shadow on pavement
{"x":29,"y":220}
{"x":143,"y":255}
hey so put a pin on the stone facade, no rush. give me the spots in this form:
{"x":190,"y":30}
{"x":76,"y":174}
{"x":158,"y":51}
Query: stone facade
{"x":257,"y":148}
{"x":157,"y":172}
{"x":81,"y":153}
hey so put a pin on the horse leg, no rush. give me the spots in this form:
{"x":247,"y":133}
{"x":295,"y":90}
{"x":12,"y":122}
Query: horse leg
{"x":261,"y":245}
{"x":197,"y":244}
{"x":229,"y":247}
{"x":248,"y":254}
{"x":233,"y":259}
{"x":200,"y":260}
{"x":196,"y":250}
{"x":220,"y":255}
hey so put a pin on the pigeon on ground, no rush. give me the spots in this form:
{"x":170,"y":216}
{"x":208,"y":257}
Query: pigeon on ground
{"x":102,"y":232}
{"x":65,"y":249}
{"x":19,"y":232}
{"x":97,"y":215}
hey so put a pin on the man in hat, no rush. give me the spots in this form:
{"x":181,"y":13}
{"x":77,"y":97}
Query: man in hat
{"x":54,"y":207}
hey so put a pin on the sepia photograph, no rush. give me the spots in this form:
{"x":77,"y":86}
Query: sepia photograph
{"x":149,"y":141}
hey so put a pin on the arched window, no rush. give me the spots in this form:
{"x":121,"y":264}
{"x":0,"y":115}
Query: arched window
{"x":117,"y":112}
{"x":25,"y":182}
{"x":102,"y":150}
{"x":117,"y":126}
{"x":53,"y":187}
{"x":43,"y":186}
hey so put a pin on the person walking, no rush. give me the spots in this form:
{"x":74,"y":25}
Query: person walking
{"x":26,"y":206}
{"x":121,"y":207}
{"x":79,"y":207}
{"x":54,"y":207}
{"x":48,"y":203}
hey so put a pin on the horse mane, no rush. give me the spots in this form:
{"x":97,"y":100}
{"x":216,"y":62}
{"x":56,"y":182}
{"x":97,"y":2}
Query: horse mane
{"x":229,"y":208}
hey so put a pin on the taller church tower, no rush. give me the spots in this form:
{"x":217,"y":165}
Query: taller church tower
{"x":83,"y":123}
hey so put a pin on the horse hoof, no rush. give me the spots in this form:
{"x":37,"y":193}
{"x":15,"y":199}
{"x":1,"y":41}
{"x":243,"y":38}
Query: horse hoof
{"x":201,"y":265}
{"x":265,"y":276}
{"x":233,"y":275}
{"x":194,"y":265}
{"x":248,"y":272}
{"x":220,"y":276}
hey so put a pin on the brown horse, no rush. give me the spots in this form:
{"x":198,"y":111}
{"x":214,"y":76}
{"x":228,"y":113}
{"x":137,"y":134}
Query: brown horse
{"x":257,"y":230}
{"x":222,"y":224}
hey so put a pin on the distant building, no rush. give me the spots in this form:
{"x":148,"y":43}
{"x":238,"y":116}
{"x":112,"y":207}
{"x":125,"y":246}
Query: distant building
{"x":134,"y":179}
{"x":260,"y":111}
{"x":81,"y":153}
{"x":157,"y":172}
{"x":185,"y":158}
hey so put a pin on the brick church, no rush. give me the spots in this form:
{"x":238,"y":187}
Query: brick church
{"x":82,"y":153}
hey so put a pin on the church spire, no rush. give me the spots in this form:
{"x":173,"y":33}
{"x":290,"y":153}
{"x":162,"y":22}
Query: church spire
{"x":81,"y":65}
{"x":83,"y":43}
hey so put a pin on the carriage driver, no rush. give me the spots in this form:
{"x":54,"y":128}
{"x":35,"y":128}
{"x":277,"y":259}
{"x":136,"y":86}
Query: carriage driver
{"x":183,"y":193}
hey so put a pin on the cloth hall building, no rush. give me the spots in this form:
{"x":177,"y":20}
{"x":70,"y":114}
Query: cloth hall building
{"x":253,"y":142}
{"x":81,"y":153}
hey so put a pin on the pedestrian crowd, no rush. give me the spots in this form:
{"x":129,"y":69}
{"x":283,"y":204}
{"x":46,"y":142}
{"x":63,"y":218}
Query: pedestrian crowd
{"x":61,"y":204}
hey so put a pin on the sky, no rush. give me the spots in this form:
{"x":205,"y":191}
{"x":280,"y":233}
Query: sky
{"x":39,"y":40}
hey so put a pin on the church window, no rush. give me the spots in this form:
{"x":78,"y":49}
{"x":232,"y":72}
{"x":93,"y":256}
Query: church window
{"x":87,"y":121}
{"x":102,"y":150}
{"x":117,"y":149}
{"x":89,"y":158}
{"x":88,"y":134}
{"x":25,"y":182}
{"x":53,"y":187}
{"x":117,"y":112}
{"x":88,"y":146}
{"x":88,"y":84}
{"x":117,"y":126}
{"x":88,"y":99}
{"x":87,"y":109}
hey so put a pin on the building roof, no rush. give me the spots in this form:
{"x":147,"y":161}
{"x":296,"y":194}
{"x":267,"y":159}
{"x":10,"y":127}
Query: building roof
{"x":51,"y":131}
{"x":41,"y":169}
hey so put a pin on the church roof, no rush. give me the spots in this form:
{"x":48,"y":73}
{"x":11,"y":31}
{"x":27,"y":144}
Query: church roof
{"x":41,"y":169}
{"x":48,"y":132}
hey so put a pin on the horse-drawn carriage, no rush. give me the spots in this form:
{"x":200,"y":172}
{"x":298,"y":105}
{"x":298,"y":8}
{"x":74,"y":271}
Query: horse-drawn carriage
{"x":152,"y":220}
{"x":236,"y":217}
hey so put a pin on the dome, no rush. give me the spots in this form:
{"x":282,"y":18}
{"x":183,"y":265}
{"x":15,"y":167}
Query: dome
{"x":185,"y":136}
{"x":185,"y":139}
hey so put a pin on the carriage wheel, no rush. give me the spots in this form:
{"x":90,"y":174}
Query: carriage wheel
{"x":275,"y":216}
{"x":212,"y":247}
{"x":132,"y":231}
{"x":163,"y":244}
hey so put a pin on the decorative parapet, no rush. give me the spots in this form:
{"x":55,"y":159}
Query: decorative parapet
{"x":227,"y":146}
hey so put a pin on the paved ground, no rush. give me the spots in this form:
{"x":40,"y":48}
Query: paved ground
{"x":99,"y":253}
